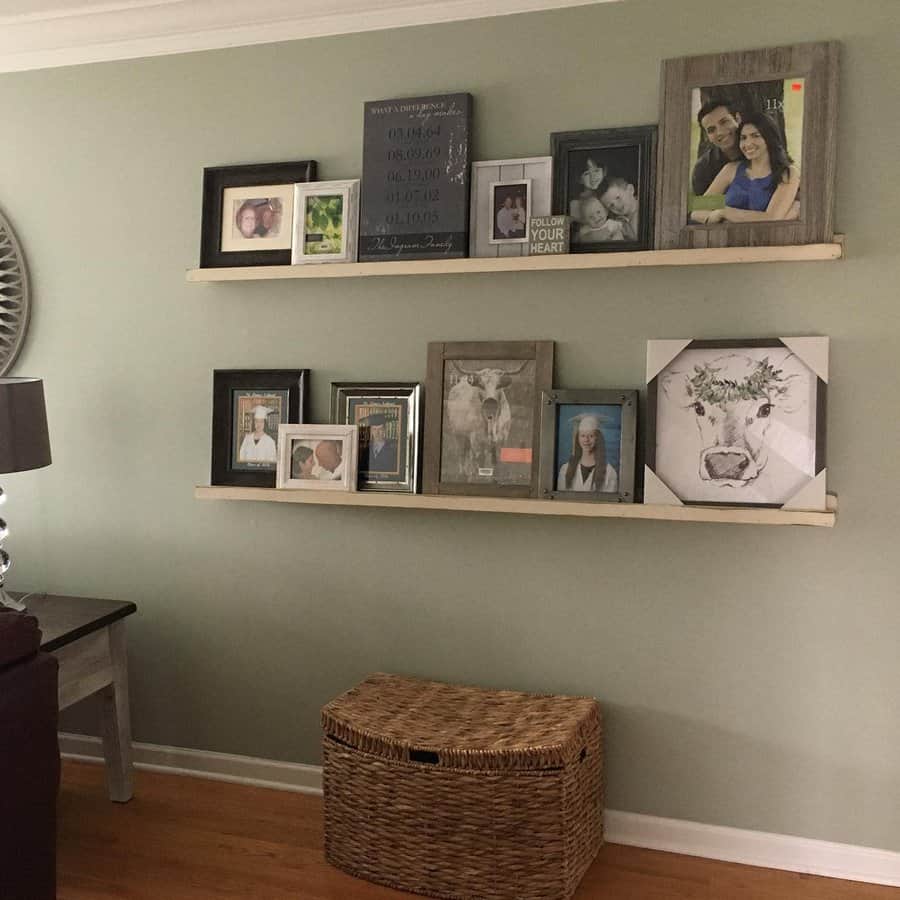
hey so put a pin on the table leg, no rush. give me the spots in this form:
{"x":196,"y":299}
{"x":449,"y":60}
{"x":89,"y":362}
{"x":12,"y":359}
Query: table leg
{"x":116,"y":720}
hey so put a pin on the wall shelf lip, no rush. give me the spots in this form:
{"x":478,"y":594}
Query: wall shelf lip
{"x":713,"y":514}
{"x":561,"y":262}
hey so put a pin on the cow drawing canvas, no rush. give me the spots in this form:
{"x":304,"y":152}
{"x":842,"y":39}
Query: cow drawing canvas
{"x":736,"y":425}
{"x":488,"y":427}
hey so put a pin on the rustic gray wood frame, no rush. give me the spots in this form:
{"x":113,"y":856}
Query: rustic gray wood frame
{"x":542,"y":354}
{"x":818,"y":64}
{"x":628,"y":400}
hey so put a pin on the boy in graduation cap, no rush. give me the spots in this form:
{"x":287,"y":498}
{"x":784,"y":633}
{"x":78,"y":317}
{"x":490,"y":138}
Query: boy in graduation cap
{"x":382,"y":452}
{"x":257,"y":446}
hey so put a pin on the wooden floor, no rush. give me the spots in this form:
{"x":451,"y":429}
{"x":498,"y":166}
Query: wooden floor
{"x":192,"y":839}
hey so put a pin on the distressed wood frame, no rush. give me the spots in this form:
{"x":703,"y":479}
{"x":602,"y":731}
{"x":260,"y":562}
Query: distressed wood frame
{"x":818,"y":63}
{"x":438,"y":353}
{"x":628,"y":400}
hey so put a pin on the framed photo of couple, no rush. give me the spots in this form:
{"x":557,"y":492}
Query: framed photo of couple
{"x":747,"y":148}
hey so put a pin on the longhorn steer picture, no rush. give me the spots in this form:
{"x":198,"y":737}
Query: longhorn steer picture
{"x":488,"y":420}
{"x":736,"y":426}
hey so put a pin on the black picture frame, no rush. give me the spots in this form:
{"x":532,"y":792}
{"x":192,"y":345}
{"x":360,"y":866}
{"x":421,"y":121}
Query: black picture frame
{"x":796,"y":348}
{"x":408,"y":452}
{"x":625,"y":453}
{"x":225,"y":382}
{"x":215,"y":180}
{"x":616,"y":146}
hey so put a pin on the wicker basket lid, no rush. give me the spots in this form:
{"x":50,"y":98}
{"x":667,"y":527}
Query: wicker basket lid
{"x":412,"y":720}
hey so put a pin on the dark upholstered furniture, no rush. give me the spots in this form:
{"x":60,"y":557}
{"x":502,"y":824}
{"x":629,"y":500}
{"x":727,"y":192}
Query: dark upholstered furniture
{"x":29,"y":761}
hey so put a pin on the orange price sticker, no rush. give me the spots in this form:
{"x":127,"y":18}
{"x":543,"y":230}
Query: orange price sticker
{"x":515,"y":454}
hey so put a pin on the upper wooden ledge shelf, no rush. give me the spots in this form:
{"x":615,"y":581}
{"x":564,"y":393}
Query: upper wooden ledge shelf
{"x":566,"y":261}
{"x":722,"y":514}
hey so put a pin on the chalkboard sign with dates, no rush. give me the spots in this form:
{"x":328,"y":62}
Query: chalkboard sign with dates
{"x":415,"y":186}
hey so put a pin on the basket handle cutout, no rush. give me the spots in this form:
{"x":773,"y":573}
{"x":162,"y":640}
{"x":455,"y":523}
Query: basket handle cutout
{"x":583,"y":755}
{"x":424,"y":756}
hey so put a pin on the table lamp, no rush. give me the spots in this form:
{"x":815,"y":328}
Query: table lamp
{"x":24,"y":445}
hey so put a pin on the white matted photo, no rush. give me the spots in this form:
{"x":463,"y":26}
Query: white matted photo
{"x":257,"y":217}
{"x":317,"y":457}
{"x":326,"y":223}
{"x":511,"y":208}
{"x":486,"y":237}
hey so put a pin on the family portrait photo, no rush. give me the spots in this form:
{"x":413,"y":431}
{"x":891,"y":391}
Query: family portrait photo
{"x":736,"y":424}
{"x":604,"y":181}
{"x":313,"y":460}
{"x":256,"y":417}
{"x":746,"y":145}
{"x":511,"y":204}
{"x":588,"y":442}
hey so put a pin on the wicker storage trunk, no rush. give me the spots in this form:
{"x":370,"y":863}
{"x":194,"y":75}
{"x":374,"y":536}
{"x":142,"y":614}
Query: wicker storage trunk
{"x":462,"y":792}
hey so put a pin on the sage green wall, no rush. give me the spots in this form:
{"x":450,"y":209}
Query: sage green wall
{"x":749,"y":675}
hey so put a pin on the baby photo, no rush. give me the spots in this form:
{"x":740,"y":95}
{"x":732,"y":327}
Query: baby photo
{"x":603,"y":196}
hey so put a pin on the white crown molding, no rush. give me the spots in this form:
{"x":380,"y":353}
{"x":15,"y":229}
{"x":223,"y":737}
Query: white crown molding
{"x":65,"y":34}
{"x":753,"y":848}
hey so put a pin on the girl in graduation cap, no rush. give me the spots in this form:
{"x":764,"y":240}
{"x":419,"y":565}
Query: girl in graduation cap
{"x":587,"y":468}
{"x":257,"y":446}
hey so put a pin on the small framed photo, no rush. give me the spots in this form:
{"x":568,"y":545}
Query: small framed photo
{"x":389,"y":418}
{"x":737,"y":423}
{"x":482,"y":416}
{"x":317,"y":457}
{"x":748,"y":147}
{"x":249,"y":406}
{"x":498,"y":226}
{"x":511,"y":210}
{"x":605,"y":180}
{"x":588,"y":445}
{"x":326,"y":223}
{"x":248,"y":213}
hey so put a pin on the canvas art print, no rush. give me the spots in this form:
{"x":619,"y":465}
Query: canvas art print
{"x":740,"y":424}
{"x":746,"y":152}
{"x":256,"y":417}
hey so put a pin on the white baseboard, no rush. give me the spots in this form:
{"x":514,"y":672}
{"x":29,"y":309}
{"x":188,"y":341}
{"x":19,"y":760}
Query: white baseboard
{"x":753,"y":848}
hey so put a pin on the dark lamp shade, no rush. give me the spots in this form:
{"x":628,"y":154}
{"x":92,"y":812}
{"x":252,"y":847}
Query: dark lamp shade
{"x":24,"y":441}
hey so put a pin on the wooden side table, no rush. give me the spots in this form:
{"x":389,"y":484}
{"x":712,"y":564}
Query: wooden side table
{"x":87,"y":636}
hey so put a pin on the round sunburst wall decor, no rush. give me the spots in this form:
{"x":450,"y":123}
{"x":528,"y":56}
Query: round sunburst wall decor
{"x":15,"y":297}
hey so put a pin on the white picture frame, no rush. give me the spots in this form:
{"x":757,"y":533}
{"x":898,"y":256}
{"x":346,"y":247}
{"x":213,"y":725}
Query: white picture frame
{"x":737,"y":422}
{"x":338,"y":203}
{"x":334,"y":470}
{"x":539,"y":169}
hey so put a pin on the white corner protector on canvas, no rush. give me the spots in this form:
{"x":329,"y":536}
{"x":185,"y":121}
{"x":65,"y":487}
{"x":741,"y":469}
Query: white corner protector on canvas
{"x":656,"y":492}
{"x":813,"y":351}
{"x":811,"y":496}
{"x":661,"y":353}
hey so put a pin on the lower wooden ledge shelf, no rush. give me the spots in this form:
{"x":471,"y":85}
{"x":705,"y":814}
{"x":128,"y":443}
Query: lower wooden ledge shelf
{"x":724,"y":514}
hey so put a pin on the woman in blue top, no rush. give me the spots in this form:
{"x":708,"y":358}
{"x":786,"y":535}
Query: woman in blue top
{"x":759,"y":187}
